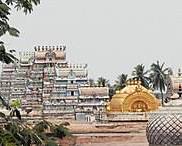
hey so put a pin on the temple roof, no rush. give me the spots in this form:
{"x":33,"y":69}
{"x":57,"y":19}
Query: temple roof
{"x":94,"y":91}
{"x":129,"y":89}
{"x":43,"y":54}
{"x":77,"y":72}
{"x":176,"y":80}
{"x":132,"y":98}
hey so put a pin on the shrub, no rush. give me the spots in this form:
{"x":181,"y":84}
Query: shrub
{"x":51,"y":143}
{"x":60,"y":131}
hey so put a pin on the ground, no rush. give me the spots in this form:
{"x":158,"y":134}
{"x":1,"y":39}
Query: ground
{"x":109,"y":134}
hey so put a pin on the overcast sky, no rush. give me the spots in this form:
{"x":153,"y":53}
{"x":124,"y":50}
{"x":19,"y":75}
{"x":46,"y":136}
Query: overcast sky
{"x":111,"y":36}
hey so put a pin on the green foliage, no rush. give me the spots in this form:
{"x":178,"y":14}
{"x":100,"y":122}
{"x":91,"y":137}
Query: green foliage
{"x":102,"y":82}
{"x":18,"y":134}
{"x":6,"y":57}
{"x":139,"y":73}
{"x":15,"y":103}
{"x":49,"y":132}
{"x":42,"y":126}
{"x":5,"y":11}
{"x":120,"y":83}
{"x":61,"y":131}
{"x":112,"y":91}
{"x":2,"y":115}
{"x":15,"y":132}
{"x":51,"y":143}
{"x":91,"y":82}
{"x":158,"y":77}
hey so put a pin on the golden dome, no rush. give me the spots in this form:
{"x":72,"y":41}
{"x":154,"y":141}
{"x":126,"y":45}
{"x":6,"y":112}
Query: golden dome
{"x":133,"y":98}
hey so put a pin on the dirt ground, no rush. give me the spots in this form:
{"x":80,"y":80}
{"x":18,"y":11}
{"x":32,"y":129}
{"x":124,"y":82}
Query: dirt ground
{"x":124,"y":127}
{"x":110,"y":134}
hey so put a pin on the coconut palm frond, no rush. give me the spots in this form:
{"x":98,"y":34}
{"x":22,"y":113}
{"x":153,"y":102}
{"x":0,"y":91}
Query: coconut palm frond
{"x":139,"y":73}
{"x":2,"y":115}
{"x":158,"y":77}
{"x":2,"y":100}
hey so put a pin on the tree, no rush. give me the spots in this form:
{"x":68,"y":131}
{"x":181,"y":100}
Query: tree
{"x":16,"y":103}
{"x":158,"y":77}
{"x":139,"y":73}
{"x":51,"y":132}
{"x":5,"y":11}
{"x":111,"y":91}
{"x":120,"y":83}
{"x":14,"y":132}
{"x":91,"y":82}
{"x":6,"y":57}
{"x":102,"y":82}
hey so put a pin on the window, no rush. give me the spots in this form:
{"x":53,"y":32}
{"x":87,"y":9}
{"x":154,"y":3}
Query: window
{"x":72,"y":93}
{"x":179,"y":87}
{"x":71,"y":82}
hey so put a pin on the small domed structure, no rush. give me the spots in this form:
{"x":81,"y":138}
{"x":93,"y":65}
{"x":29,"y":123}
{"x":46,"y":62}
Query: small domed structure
{"x":164,"y":128}
{"x":133,"y":98}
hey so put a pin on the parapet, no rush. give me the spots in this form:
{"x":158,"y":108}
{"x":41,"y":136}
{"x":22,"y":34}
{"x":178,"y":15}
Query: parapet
{"x":77,"y":65}
{"x":52,"y":48}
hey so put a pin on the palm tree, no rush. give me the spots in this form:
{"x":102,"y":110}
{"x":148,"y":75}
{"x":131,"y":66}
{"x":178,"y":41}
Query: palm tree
{"x":158,"y":77}
{"x":102,"y":82}
{"x":139,"y":73}
{"x":6,"y":57}
{"x":120,"y":83}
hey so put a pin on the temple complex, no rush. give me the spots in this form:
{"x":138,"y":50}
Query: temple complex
{"x":50,"y":86}
{"x":133,"y":98}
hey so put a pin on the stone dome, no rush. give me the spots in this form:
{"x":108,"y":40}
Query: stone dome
{"x":164,"y":129}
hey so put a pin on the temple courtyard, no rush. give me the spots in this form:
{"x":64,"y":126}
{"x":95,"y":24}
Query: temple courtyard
{"x":109,"y":134}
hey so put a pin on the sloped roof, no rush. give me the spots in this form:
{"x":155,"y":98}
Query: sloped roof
{"x":94,"y":91}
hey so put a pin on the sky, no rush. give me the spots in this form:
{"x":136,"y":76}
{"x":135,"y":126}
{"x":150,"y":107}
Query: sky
{"x":111,"y":36}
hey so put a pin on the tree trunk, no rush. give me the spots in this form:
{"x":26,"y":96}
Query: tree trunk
{"x":162,"y":98}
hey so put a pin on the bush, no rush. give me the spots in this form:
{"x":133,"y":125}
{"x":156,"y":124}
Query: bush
{"x":51,"y":143}
{"x":60,"y":131}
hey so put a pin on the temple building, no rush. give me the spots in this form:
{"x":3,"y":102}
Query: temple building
{"x":50,"y":86}
{"x":6,"y":80}
{"x":133,"y":98}
{"x":174,"y":85}
{"x":174,"y":89}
